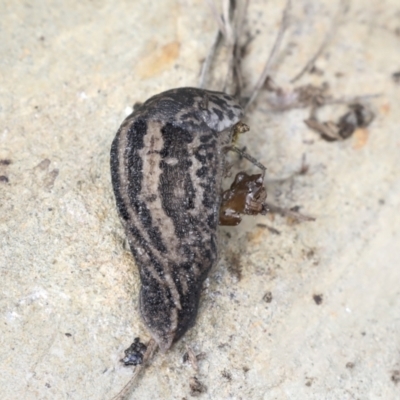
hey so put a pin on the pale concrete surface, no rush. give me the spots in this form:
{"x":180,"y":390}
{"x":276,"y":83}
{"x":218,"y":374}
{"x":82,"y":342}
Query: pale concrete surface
{"x":69,"y":73}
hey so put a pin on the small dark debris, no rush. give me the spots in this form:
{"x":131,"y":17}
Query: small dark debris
{"x":267,"y":297}
{"x":49,"y":209}
{"x":192,"y":358}
{"x":309,"y":381}
{"x":227,"y":375}
{"x":234,"y":265}
{"x":304,"y":168}
{"x":396,"y":77}
{"x":201,"y":356}
{"x":381,"y":202}
{"x":363,"y":333}
{"x":50,"y":179}
{"x":47,"y":385}
{"x":395,"y":376}
{"x":134,"y":353}
{"x":270,"y":228}
{"x":68,"y":334}
{"x":316,"y":71}
{"x":359,"y":116}
{"x":273,"y":230}
{"x":318,"y":298}
{"x":350,"y":365}
{"x":44,"y":164}
{"x":246,"y":369}
{"x":196,"y":387}
{"x":4,"y":179}
{"x":291,"y":214}
{"x":5,"y":161}
{"x":310,"y":253}
{"x":244,"y":49}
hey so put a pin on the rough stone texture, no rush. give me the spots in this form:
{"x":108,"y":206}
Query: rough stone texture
{"x":69,"y":73}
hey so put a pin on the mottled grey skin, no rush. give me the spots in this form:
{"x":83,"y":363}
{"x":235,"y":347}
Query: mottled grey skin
{"x":166,"y":167}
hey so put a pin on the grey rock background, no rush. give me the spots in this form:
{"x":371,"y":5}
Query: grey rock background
{"x":69,"y":73}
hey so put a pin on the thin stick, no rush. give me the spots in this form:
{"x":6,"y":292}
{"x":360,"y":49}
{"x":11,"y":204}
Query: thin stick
{"x":226,"y":30}
{"x":328,"y":38}
{"x":148,"y":355}
{"x":275,"y":48}
{"x":285,"y":212}
{"x":217,"y":17}
{"x":230,"y":27}
{"x":209,"y":59}
{"x":247,"y":157}
{"x":230,"y":38}
{"x":350,"y":99}
{"x":227,"y":9}
{"x":236,"y":56}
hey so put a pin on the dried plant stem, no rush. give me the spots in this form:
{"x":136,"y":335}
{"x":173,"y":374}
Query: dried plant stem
{"x":328,"y":38}
{"x":208,"y":60}
{"x":286,"y":212}
{"x":350,"y":99}
{"x":247,"y":157}
{"x":266,"y":71}
{"x":230,"y":25}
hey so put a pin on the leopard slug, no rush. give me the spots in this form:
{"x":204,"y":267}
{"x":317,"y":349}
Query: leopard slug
{"x":167,"y":163}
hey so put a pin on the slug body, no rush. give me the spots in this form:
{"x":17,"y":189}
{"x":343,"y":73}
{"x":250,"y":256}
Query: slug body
{"x":167,"y":162}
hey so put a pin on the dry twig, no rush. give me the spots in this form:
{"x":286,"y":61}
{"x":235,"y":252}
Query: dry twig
{"x":266,"y":71}
{"x":328,"y":38}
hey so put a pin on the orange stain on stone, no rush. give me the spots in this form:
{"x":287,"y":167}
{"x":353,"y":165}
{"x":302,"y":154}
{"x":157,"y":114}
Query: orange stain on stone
{"x":160,"y":59}
{"x":257,"y":236}
{"x":360,"y":138}
{"x":385,"y":108}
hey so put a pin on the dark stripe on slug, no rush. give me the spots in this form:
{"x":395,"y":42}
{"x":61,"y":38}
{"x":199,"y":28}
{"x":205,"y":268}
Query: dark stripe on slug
{"x":207,"y":138}
{"x":139,"y":242}
{"x":201,"y":172}
{"x":191,"y":193}
{"x":230,"y":114}
{"x":223,"y":104}
{"x":208,"y":200}
{"x":157,"y":309}
{"x":134,"y":163}
{"x":202,"y":152}
{"x":115,"y":178}
{"x":189,"y":298}
{"x":219,"y":113}
{"x":212,"y":221}
{"x":176,"y":188}
{"x":135,"y":142}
